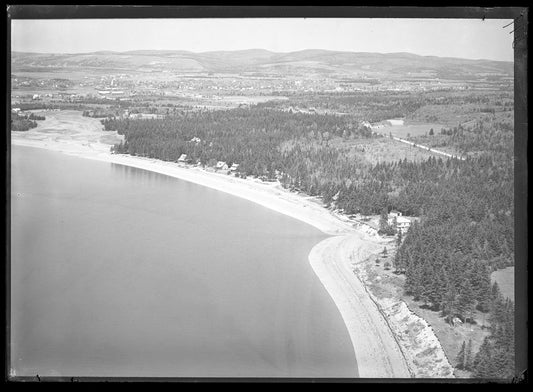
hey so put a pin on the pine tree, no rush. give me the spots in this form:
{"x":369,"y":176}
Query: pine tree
{"x":461,"y":357}
{"x":468,"y":363}
{"x":495,"y":358}
{"x":450,"y":302}
{"x":498,"y":308}
{"x":501,"y":368}
{"x":413,"y":281}
{"x":484,"y":290}
{"x":399,"y":239}
{"x":483,"y":366}
{"x":383,"y":221}
{"x":466,"y":301}
{"x":399,"y":263}
{"x":438,"y":287}
{"x":495,"y":291}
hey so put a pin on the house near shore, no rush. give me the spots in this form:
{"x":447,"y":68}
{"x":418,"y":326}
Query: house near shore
{"x":401,"y":223}
{"x":221,"y":165}
{"x":234,"y":167}
{"x":183,"y":158}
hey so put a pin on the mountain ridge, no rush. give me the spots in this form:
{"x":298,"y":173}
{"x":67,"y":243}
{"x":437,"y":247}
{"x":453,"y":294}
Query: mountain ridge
{"x":308,"y":61}
{"x":179,"y":51}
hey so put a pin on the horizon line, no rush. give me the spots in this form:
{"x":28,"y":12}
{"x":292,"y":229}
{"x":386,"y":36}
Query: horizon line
{"x":255,"y":49}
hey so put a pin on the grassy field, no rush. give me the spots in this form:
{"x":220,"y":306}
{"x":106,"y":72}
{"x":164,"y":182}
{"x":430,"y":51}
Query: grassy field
{"x":438,"y":142}
{"x":410,"y":128}
{"x":381,"y":149}
{"x":451,"y":115}
{"x":416,"y":132}
{"x":368,"y":151}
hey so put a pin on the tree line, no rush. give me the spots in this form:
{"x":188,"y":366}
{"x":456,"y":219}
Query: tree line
{"x":22,"y":123}
{"x":250,"y":137}
{"x":495,"y":357}
{"x":374,"y":106}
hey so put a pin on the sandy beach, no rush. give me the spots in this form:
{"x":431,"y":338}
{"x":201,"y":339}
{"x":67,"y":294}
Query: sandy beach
{"x":378,"y":354}
{"x":376,"y":348}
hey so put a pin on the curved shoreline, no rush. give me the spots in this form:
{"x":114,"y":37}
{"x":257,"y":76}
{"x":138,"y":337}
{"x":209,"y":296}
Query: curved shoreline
{"x":269,"y":195}
{"x":377,"y":353}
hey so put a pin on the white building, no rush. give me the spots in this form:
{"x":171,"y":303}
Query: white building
{"x":402,"y":223}
{"x":221,"y":165}
{"x":394,"y":213}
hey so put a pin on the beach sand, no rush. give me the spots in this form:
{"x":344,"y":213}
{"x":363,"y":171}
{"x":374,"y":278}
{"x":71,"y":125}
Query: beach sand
{"x":376,"y":349}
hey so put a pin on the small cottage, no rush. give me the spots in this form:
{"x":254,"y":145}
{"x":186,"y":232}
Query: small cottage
{"x":396,"y":219}
{"x":402,"y":224}
{"x":221,"y":165}
{"x":183,"y":158}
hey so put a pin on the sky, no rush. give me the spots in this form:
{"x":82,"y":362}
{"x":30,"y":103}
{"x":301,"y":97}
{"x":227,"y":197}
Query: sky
{"x":463,"y":38}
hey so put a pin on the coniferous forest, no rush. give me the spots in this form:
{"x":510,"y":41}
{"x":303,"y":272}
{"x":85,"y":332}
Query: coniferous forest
{"x":22,"y":123}
{"x":465,"y":208}
{"x":496,"y":356}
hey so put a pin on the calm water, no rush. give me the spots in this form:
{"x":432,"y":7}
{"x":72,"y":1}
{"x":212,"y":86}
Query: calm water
{"x":117,"y":271}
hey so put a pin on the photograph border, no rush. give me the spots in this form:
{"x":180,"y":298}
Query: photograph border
{"x":520,"y":28}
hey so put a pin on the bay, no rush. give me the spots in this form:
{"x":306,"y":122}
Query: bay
{"x":117,"y":271}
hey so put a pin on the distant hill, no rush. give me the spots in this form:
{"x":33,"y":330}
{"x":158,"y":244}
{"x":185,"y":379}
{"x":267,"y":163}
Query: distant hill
{"x":313,"y":61}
